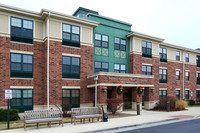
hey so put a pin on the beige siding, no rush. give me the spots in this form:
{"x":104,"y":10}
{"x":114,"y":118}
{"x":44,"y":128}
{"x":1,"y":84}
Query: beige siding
{"x":137,"y":45}
{"x":86,"y":36}
{"x":4,"y":24}
{"x":155,"y":48}
{"x":55,"y":29}
{"x":38,"y":30}
{"x":192,"y":58}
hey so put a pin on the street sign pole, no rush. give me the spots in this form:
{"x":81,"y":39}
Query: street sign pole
{"x":8,"y":115}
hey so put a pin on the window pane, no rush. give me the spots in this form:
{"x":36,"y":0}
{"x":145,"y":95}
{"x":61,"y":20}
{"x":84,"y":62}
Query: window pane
{"x":116,"y":66}
{"x":75,"y":61}
{"x":160,"y":93}
{"x":105,"y":65}
{"x":164,"y":93}
{"x":144,"y":68}
{"x":187,"y":55}
{"x":15,"y":58}
{"x":66,"y":93}
{"x":148,"y":45}
{"x":164,"y":71}
{"x":27,"y":93}
{"x":165,"y":51}
{"x":27,"y":67}
{"x":144,"y":44}
{"x":27,"y":59}
{"x":177,"y":72}
{"x":66,"y":36}
{"x":75,"y":37}
{"x":123,"y":42}
{"x":27,"y":24}
{"x":148,"y":69}
{"x":97,"y":64}
{"x":123,"y":47}
{"x":66,"y":68}
{"x":117,"y":40}
{"x":97,"y":43}
{"x":66,"y":60}
{"x":116,"y":46}
{"x":66,"y":28}
{"x":75,"y":100}
{"x":104,"y":38}
{"x":66,"y":100}
{"x":75,"y":93}
{"x":15,"y":66}
{"x":105,"y":44}
{"x":97,"y":36}
{"x":16,"y":22}
{"x":160,"y":50}
{"x":123,"y":67}
{"x":75,"y":29}
{"x":75,"y":69}
{"x":16,"y":93}
{"x":177,"y":53}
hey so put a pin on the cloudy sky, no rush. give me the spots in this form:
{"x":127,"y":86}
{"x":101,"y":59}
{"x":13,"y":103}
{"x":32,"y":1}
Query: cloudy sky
{"x":176,"y":21}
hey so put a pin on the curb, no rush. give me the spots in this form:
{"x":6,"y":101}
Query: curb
{"x":136,"y":125}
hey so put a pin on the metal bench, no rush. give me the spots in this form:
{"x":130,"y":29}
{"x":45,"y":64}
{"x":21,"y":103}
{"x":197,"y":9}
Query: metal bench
{"x":84,"y":113}
{"x":42,"y":116}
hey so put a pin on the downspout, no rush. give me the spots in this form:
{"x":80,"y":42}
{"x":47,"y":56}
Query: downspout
{"x":48,"y":61}
{"x":183,"y":75}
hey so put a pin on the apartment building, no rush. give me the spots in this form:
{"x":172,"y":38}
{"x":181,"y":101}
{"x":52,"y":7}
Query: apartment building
{"x":50,"y":58}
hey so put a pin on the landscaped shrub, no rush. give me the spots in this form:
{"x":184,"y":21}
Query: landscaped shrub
{"x":191,"y":102}
{"x":198,"y":101}
{"x":13,"y":114}
{"x":114,"y":104}
{"x":162,"y":104}
{"x":181,"y":104}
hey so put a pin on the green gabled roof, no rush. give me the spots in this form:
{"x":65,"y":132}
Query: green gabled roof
{"x":85,"y":9}
{"x":111,"y":19}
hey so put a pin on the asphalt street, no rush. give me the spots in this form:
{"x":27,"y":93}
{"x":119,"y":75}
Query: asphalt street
{"x":191,"y":126}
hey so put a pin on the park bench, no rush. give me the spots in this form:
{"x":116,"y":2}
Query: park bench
{"x":48,"y":116}
{"x":84,"y":113}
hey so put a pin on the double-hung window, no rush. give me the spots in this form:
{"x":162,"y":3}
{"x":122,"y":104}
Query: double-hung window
{"x":198,"y":78}
{"x":198,"y":93}
{"x":162,"y":93}
{"x":187,"y":74}
{"x":21,"y":65}
{"x":178,"y":94}
{"x":21,"y":30}
{"x":198,"y":60}
{"x":187,"y":94}
{"x":187,"y":59}
{"x":177,"y":74}
{"x":101,"y":45}
{"x":119,"y":48}
{"x":146,"y":70}
{"x":71,"y":97}
{"x":70,"y":67}
{"x":146,"y":49}
{"x":100,"y":66}
{"x":178,"y":55}
{"x":163,"y":75}
{"x":119,"y":68}
{"x":163,"y":54}
{"x":71,"y":35}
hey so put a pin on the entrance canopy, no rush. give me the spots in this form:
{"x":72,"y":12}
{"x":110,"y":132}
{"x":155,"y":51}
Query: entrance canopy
{"x":116,"y":79}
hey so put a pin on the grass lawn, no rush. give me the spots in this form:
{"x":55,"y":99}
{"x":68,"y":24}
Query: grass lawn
{"x":20,"y":124}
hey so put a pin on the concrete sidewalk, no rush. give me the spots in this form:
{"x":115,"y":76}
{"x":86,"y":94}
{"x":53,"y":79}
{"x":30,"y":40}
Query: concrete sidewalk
{"x":146,"y":117}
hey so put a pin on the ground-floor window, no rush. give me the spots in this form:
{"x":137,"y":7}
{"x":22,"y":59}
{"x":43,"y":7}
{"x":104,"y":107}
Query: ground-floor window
{"x":109,"y":93}
{"x":178,"y":94}
{"x":162,"y":93}
{"x":187,"y":94}
{"x":198,"y":93}
{"x":72,"y":97}
{"x":22,"y":100}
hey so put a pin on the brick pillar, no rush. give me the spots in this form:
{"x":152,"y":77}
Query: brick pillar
{"x":136,"y":98}
{"x":149,"y":98}
{"x":102,"y":97}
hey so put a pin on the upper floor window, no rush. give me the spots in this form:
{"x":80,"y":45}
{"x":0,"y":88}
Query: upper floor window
{"x":101,"y":45}
{"x":163,"y":54}
{"x":100,"y":66}
{"x":21,"y":65}
{"x":70,"y":67}
{"x":187,"y":57}
{"x":163,"y":75}
{"x":71,"y":35}
{"x":162,"y":93}
{"x":119,"y":68}
{"x":21,"y":30}
{"x":146,"y":70}
{"x":120,"y":44}
{"x":187,"y":74}
{"x":146,"y":49}
{"x":177,"y":74}
{"x":198,"y":60}
{"x":178,"y":55}
{"x":198,"y":78}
